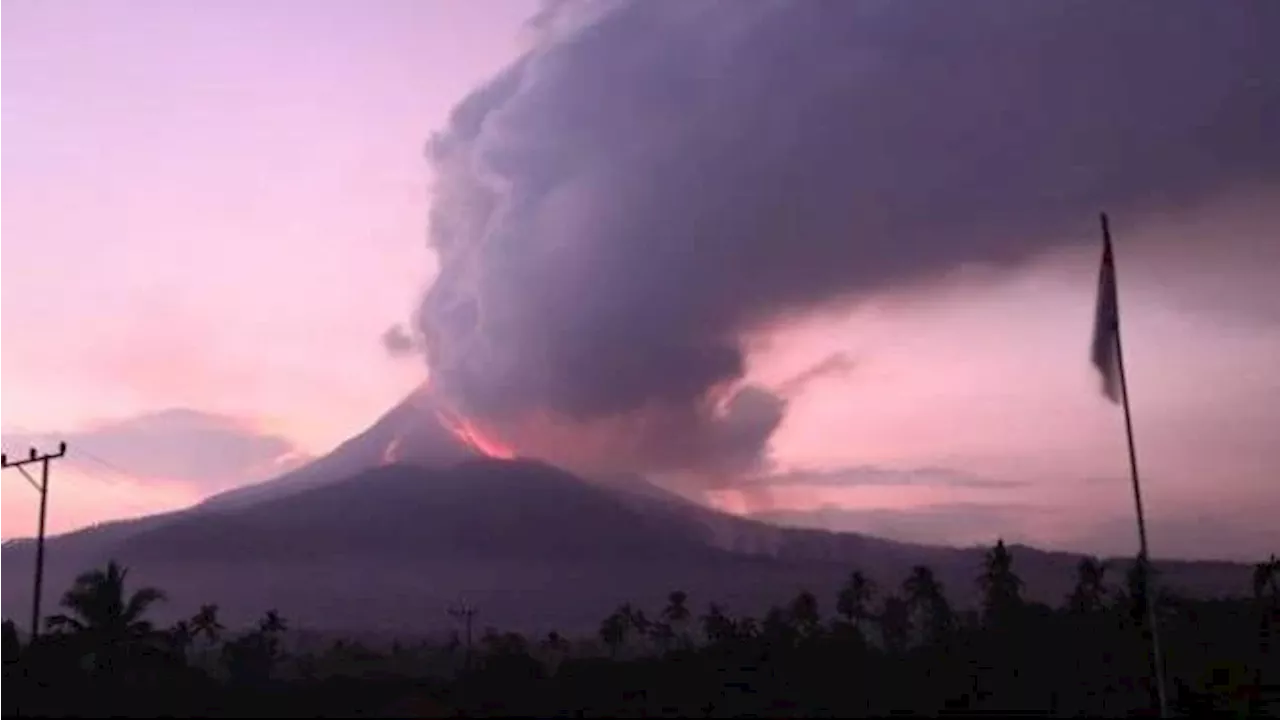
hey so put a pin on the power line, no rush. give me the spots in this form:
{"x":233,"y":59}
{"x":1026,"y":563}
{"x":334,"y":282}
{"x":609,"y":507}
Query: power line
{"x":81,"y":452}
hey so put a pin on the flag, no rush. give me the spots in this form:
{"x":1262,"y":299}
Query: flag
{"x":1106,"y":323}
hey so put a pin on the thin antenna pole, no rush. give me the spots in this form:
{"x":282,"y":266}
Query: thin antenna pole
{"x":1144,"y":557}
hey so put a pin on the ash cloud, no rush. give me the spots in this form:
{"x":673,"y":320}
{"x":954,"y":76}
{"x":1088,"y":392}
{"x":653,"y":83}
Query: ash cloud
{"x":398,"y":342}
{"x":651,"y":182}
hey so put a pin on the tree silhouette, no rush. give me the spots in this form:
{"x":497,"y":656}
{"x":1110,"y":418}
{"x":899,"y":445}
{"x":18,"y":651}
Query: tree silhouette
{"x":1266,"y":578}
{"x":555,"y":647}
{"x":895,"y":623}
{"x":1001,"y":588}
{"x":252,"y":657}
{"x":676,"y":615}
{"x":1075,"y":661}
{"x":662,"y":635}
{"x":12,"y":645}
{"x":272,"y":624}
{"x":180,"y":638}
{"x":205,"y":622}
{"x":777,"y":628}
{"x":717,"y":627}
{"x":928,"y":603}
{"x":613,"y":632}
{"x":854,"y":598}
{"x":1090,"y":592}
{"x":104,"y":616}
{"x":804,"y":614}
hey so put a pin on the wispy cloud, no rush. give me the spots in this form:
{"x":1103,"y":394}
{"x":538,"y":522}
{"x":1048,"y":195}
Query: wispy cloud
{"x":180,"y":446}
{"x":959,"y":523}
{"x":863,"y":476}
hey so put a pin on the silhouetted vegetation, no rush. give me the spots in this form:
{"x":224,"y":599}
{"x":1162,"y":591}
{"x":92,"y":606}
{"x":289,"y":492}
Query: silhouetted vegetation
{"x":879,"y":650}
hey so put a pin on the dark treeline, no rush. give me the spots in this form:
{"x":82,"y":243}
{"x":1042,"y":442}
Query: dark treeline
{"x":870,"y":650}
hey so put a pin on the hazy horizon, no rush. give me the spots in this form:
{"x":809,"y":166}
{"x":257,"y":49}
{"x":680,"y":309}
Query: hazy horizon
{"x":215,"y":213}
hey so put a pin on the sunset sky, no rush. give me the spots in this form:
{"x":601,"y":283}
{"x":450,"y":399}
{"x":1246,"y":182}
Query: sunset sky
{"x":213,"y":212}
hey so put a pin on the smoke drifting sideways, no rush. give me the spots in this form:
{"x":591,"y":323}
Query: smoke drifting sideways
{"x":652,"y":183}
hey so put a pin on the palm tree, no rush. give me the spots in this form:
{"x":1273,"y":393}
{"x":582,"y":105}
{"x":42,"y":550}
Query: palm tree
{"x":253,"y":656}
{"x":854,"y":598}
{"x":205,"y":622}
{"x":1002,"y":589}
{"x":99,"y":607}
{"x":1090,"y":592}
{"x":676,"y":611}
{"x":676,"y":615}
{"x":104,"y":616}
{"x":272,"y":624}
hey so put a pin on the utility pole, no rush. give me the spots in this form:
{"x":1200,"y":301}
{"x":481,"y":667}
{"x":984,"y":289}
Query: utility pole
{"x":465,"y":612}
{"x":41,"y":487}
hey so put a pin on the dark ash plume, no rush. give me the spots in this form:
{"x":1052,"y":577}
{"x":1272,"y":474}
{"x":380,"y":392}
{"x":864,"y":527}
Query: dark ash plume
{"x":653,"y":180}
{"x":398,"y":342}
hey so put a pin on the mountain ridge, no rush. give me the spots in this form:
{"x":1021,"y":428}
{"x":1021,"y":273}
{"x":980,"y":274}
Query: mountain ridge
{"x":399,"y":520}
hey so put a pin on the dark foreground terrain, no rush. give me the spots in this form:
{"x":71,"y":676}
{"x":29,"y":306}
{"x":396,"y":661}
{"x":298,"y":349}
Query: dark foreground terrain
{"x":868,"y":650}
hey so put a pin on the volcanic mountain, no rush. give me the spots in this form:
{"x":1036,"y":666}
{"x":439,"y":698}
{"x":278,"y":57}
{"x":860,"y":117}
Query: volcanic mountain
{"x":367,"y":538}
{"x":414,"y":431}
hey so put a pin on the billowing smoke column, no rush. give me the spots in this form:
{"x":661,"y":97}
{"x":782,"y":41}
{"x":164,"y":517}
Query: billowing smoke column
{"x":654,"y":180}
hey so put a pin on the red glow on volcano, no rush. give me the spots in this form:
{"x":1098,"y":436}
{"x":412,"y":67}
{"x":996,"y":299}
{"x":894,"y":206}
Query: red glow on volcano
{"x":472,"y":436}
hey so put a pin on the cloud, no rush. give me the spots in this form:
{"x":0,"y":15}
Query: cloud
{"x":834,"y":365}
{"x":864,"y":476}
{"x":652,"y":183}
{"x":189,"y":447}
{"x":952,"y":524}
{"x":398,"y":342}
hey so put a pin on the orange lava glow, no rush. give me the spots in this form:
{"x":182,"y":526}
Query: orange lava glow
{"x":473,"y":437}
{"x":391,"y":454}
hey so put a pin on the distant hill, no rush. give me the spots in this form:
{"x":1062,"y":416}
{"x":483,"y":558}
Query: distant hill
{"x":533,"y":546}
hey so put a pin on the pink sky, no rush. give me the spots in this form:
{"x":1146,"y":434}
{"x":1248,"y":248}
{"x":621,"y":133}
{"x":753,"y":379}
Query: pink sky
{"x":220,"y":206}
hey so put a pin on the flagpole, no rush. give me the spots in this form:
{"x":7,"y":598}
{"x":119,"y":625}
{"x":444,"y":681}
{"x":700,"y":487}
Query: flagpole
{"x":1143,"y":557}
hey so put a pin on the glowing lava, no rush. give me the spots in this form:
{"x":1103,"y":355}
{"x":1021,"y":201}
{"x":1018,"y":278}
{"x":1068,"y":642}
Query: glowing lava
{"x":391,"y":454}
{"x":472,"y":436}
{"x":427,"y":408}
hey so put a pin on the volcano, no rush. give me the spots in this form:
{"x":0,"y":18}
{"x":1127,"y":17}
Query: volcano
{"x":410,"y":432}
{"x":383,"y":533}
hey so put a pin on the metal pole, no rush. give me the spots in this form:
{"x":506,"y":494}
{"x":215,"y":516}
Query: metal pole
{"x":39,"y":585}
{"x":1143,"y":556}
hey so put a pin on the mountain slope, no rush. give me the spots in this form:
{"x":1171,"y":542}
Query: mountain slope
{"x":410,"y":431}
{"x":532,"y":545}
